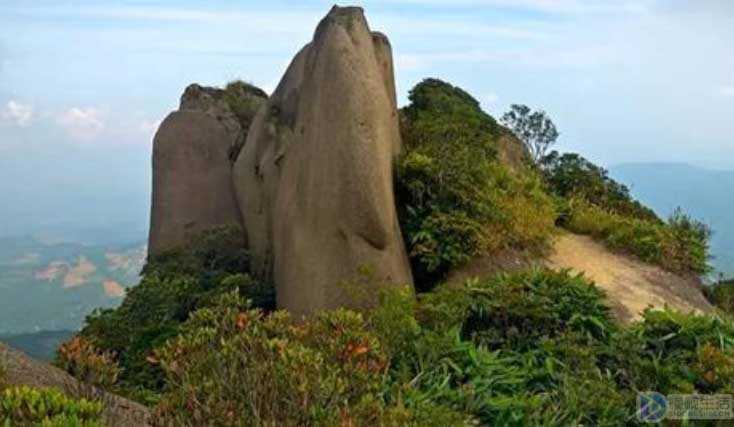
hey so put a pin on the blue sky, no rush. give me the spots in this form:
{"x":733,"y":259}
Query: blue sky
{"x":83,"y":84}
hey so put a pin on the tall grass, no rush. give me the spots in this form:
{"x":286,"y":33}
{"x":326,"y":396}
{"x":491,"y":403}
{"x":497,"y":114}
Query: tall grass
{"x":679,"y":245}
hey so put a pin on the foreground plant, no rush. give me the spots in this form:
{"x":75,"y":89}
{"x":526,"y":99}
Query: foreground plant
{"x":174,"y":285}
{"x":533,"y":348}
{"x":233,"y":365}
{"x":26,"y":406}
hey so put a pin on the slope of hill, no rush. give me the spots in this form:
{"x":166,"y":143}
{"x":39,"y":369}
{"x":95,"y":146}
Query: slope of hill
{"x":631,"y":285}
{"x":704,"y":193}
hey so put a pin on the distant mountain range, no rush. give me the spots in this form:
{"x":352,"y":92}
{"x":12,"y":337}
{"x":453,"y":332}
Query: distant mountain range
{"x":48,"y":285}
{"x":38,"y":345}
{"x":706,"y":194}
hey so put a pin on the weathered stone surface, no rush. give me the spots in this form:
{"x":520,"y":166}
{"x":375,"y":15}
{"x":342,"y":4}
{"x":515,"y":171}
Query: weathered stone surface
{"x":234,"y":107}
{"x":193,"y":152}
{"x":314,"y":180}
{"x":211,"y":101}
{"x":192,"y":179}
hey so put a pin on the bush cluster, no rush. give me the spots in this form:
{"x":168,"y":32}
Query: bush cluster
{"x":455,"y":199}
{"x":173,"y":285}
{"x":721,"y":295}
{"x":93,"y":369}
{"x":681,"y":244}
{"x":571,"y":176}
{"x":531,"y":348}
{"x":233,"y":363}
{"x":26,"y":406}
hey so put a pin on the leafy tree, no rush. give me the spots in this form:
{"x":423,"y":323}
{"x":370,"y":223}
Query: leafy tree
{"x":534,"y":128}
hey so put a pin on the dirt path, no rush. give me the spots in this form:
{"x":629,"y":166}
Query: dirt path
{"x":630,"y":284}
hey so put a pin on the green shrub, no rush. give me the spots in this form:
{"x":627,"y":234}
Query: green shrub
{"x":26,"y":406}
{"x":571,"y":176}
{"x":528,"y":304}
{"x":592,"y":203}
{"x":721,"y":295}
{"x":672,"y":352}
{"x":173,"y":285}
{"x":232,"y":363}
{"x":530,"y":348}
{"x":501,"y":350}
{"x":3,"y":372}
{"x":540,"y":348}
{"x":679,"y":245}
{"x":244,"y":99}
{"x":94,"y":370}
{"x":455,"y":199}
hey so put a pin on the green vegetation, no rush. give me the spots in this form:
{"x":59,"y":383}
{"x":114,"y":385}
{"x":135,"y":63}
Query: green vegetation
{"x":173,"y":285}
{"x":572,"y":176}
{"x":532,"y":348}
{"x":94,"y":370}
{"x":233,"y":363}
{"x":592,"y":203}
{"x":721,"y":295}
{"x":3,"y":373}
{"x":455,"y":199}
{"x":244,"y":99}
{"x":26,"y":406}
{"x":679,"y":245}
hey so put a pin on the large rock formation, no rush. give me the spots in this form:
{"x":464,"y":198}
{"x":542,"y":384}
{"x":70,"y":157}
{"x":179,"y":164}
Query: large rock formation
{"x":314,"y":179}
{"x":192,"y":152}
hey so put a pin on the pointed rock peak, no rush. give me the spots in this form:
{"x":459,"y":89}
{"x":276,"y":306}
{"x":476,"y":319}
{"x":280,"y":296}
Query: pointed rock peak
{"x":351,"y":19}
{"x":346,"y":13}
{"x":314,"y":181}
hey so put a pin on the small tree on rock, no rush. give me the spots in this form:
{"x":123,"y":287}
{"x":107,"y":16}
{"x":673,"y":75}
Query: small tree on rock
{"x":534,"y":128}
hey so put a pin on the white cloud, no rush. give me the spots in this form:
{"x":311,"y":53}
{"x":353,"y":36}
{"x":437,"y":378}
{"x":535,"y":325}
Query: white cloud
{"x":17,"y":113}
{"x":82,"y":123}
